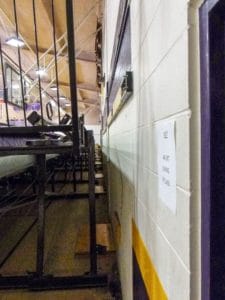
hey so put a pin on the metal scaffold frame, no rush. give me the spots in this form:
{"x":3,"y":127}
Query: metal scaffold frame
{"x":39,"y":280}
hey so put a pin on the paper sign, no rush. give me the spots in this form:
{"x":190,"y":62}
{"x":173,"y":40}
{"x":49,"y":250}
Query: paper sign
{"x":166,"y":159}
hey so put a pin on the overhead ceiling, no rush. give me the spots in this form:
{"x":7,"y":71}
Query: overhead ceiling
{"x":87,"y":14}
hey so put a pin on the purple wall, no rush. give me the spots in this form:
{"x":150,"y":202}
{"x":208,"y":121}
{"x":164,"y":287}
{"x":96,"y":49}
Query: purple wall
{"x":212,"y":27}
{"x":139,"y":290}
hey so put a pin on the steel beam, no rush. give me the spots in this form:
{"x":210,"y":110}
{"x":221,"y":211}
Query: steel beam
{"x":33,"y":282}
{"x":34,"y":129}
{"x":41,"y":176}
{"x":72,"y":73}
{"x":92,"y":212}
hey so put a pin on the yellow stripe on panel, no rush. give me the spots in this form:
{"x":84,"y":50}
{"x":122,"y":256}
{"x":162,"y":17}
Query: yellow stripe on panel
{"x":151,"y":280}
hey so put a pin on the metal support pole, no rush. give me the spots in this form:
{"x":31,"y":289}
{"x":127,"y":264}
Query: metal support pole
{"x":20,"y":65}
{"x":4,"y":85}
{"x":74,"y":173}
{"x":65,"y":173}
{"x":53,"y":181}
{"x":38,"y":62}
{"x":34,"y":183}
{"x":92,"y":216}
{"x":72,"y":73}
{"x":55,"y":57}
{"x":41,"y":175}
{"x":81,"y":167}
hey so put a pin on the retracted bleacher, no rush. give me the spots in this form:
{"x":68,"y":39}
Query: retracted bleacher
{"x":45,"y":143}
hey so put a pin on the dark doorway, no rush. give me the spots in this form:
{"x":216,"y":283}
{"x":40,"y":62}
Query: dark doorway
{"x":212,"y":23}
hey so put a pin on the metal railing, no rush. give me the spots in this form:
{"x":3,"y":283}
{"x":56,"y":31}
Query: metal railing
{"x":37,"y":87}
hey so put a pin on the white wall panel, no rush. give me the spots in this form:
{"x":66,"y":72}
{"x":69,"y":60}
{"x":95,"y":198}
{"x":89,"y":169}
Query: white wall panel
{"x":160,"y":65}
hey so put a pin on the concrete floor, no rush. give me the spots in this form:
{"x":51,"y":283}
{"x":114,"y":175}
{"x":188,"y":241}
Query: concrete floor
{"x":63,"y":219}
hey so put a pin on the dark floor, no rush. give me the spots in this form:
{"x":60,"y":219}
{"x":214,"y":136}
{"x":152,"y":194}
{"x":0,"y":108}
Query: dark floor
{"x":63,"y":220}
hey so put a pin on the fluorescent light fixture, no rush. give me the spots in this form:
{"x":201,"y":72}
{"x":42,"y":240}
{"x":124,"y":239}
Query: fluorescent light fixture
{"x":41,"y":72}
{"x":60,"y":133}
{"x":15,"y":42}
{"x":53,"y":88}
{"x":62,"y":97}
{"x":53,"y":103}
{"x":68,"y":104}
{"x":15,"y":86}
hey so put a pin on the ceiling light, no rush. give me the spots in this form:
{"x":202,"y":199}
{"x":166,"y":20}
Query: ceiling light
{"x":15,"y":86}
{"x":62,"y":97}
{"x":41,"y":72}
{"x":15,"y":42}
{"x":67,"y":104}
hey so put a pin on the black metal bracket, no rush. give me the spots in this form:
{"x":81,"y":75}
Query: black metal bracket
{"x":101,"y":249}
{"x":49,"y":282}
{"x":127,"y":86}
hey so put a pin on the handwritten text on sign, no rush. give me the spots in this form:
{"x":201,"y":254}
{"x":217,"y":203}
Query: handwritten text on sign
{"x":166,"y":159}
